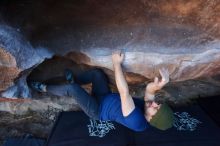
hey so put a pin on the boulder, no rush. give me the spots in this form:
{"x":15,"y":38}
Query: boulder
{"x":39,"y":39}
{"x":181,"y":36}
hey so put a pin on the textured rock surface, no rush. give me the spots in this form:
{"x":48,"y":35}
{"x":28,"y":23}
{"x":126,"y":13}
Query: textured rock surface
{"x":183,"y":36}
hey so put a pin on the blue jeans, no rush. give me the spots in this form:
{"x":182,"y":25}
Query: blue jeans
{"x":88,"y":103}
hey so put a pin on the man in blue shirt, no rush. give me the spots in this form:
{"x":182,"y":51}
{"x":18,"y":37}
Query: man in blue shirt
{"x":120,"y":107}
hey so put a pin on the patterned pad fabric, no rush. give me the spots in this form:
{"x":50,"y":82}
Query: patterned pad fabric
{"x":183,"y":121}
{"x":191,"y":127}
{"x":100,"y":128}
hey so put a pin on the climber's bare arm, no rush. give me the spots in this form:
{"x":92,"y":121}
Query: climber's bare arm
{"x":127,"y":102}
{"x":156,"y":85}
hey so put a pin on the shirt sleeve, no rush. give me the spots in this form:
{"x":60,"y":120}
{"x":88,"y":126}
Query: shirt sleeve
{"x":136,"y":120}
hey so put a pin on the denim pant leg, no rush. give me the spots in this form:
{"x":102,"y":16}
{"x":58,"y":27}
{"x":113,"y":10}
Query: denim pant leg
{"x":99,"y":82}
{"x":86,"y":102}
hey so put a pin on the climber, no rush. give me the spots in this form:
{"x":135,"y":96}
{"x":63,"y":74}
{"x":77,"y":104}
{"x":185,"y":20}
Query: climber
{"x":120,"y":107}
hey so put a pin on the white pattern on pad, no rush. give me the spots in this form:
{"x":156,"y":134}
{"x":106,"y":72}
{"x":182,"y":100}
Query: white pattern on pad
{"x":99,"y":128}
{"x":184,"y":122}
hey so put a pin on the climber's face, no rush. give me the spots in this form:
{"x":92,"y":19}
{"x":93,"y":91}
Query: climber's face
{"x":151,"y":108}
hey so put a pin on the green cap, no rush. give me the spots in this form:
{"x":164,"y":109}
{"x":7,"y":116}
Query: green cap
{"x":163,"y":119}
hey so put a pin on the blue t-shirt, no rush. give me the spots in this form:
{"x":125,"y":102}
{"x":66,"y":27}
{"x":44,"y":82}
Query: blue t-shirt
{"x":110,"y":109}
